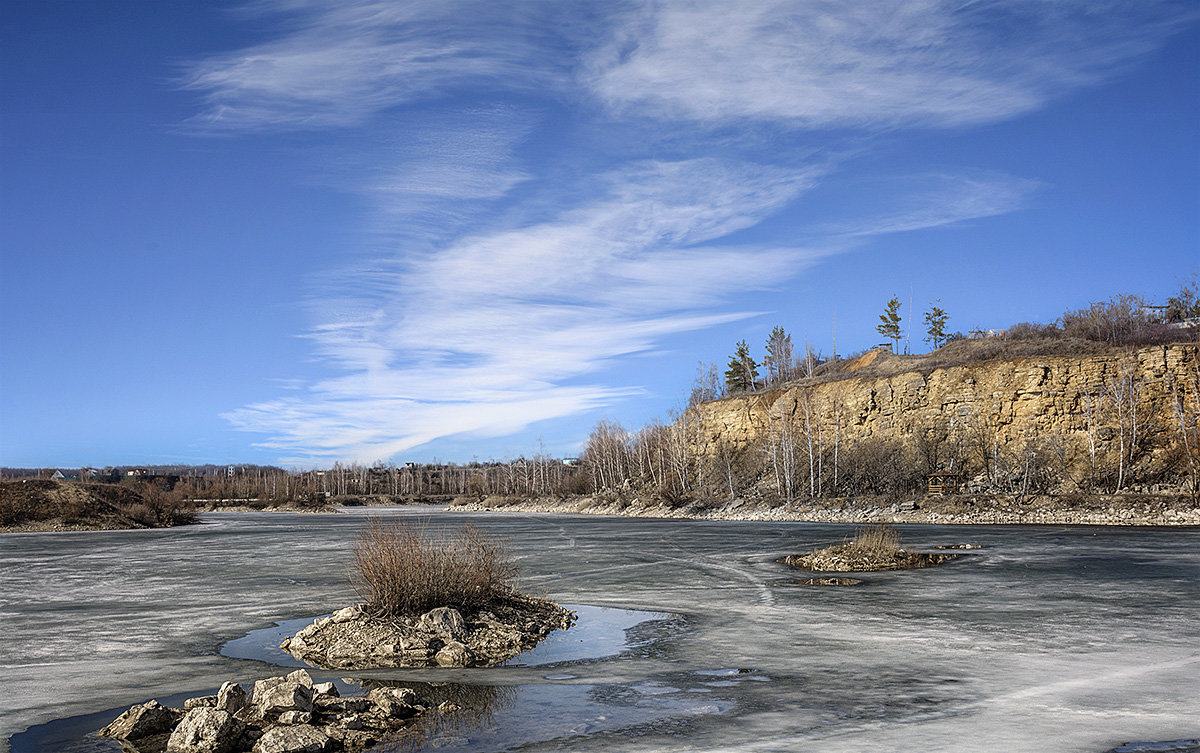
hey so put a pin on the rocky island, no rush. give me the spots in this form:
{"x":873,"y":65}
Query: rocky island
{"x":354,"y":638}
{"x":441,"y":598}
{"x":288,"y":714}
{"x":871,"y":550}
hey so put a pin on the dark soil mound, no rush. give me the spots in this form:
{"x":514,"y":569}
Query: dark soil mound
{"x":41,"y":505}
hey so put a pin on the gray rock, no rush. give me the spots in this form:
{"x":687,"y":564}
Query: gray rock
{"x":395,"y":703}
{"x":200,"y":702}
{"x":349,"y":614}
{"x":286,"y":696}
{"x":325,"y":688}
{"x":149,"y":718}
{"x":302,"y":739}
{"x":262,"y":686}
{"x":301,"y":677}
{"x":454,"y":654}
{"x":205,"y":730}
{"x":445,"y":621}
{"x":231,"y":697}
{"x":295,"y":717}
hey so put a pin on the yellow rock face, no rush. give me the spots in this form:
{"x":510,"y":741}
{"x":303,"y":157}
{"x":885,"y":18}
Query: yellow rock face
{"x":1079,"y":401}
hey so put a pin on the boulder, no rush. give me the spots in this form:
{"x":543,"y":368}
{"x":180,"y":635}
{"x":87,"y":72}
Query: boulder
{"x":395,"y":703}
{"x":285,"y":696}
{"x":298,"y":739}
{"x":231,"y":697}
{"x":454,"y":654}
{"x":295,"y":717}
{"x":301,"y":677}
{"x":200,"y":702}
{"x":149,"y":718}
{"x":445,"y":621}
{"x":205,"y":730}
{"x":325,"y":688}
{"x":349,"y":614}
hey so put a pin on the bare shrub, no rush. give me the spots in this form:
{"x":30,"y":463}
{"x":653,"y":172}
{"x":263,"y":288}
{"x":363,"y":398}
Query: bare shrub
{"x":406,"y":568}
{"x":876,"y":541}
{"x":1032,"y":331}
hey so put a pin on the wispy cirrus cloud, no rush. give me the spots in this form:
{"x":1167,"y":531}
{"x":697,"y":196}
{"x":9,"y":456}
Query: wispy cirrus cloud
{"x":869,"y":64}
{"x":481,"y":322}
{"x":483,"y":335}
{"x":918,"y":202}
{"x":336,"y":64}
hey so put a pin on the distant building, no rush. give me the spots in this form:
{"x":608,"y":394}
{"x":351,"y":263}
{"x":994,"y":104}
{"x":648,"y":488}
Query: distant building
{"x":944,"y":482}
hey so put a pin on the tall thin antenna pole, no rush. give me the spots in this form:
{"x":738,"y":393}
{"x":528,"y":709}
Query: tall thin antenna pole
{"x":908,"y":331}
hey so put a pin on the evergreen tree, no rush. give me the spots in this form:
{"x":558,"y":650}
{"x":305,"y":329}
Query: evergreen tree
{"x":935,"y":324}
{"x":743,"y":371}
{"x":778,"y":360}
{"x":889,"y":325}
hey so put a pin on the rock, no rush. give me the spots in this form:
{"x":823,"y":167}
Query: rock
{"x":341,"y":706}
{"x":454,"y":654}
{"x":300,"y":739}
{"x":325,"y":688}
{"x":446,"y":707}
{"x":445,"y":621}
{"x":205,"y":730}
{"x":286,"y":696}
{"x":349,"y":614}
{"x":395,"y":703}
{"x":301,"y":677}
{"x":231,"y":697}
{"x":262,"y":686}
{"x":200,"y":702}
{"x":150,"y":718}
{"x":295,"y":717}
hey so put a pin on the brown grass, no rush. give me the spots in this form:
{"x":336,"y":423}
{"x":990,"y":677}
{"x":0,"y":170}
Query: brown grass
{"x":406,"y":568}
{"x":876,"y":541}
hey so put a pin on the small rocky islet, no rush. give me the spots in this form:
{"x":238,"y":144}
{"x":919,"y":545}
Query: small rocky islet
{"x":288,"y":714}
{"x":357,"y":638}
{"x":841,"y":558}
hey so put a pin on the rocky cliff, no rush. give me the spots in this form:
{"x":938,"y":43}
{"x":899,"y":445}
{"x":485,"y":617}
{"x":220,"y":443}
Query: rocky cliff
{"x":1092,"y":409}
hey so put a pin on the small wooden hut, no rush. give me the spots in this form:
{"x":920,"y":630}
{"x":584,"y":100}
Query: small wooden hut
{"x":944,"y":482}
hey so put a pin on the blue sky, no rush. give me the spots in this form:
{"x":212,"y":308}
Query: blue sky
{"x":290,"y":231}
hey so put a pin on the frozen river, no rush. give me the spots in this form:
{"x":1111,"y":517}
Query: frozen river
{"x":1049,"y":639}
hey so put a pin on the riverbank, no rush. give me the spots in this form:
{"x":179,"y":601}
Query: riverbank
{"x":39,"y":505}
{"x":1099,"y":510}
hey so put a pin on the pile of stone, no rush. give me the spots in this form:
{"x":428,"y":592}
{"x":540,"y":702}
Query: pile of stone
{"x":353,"y":638}
{"x":281,"y":715}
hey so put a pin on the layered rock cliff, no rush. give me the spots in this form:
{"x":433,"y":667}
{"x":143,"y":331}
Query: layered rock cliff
{"x":1093,"y":408}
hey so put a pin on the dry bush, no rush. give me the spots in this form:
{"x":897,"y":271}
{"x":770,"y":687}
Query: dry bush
{"x":877,"y":541}
{"x":405,"y":568}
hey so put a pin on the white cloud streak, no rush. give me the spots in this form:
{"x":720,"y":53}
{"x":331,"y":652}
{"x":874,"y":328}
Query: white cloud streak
{"x":827,"y":63}
{"x":484,"y":335}
{"x":339,"y":62}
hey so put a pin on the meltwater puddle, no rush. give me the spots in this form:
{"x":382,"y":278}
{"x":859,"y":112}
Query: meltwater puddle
{"x":599,"y":632}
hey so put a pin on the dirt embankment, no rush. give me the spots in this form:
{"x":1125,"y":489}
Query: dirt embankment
{"x":41,"y":505}
{"x":1123,"y":510}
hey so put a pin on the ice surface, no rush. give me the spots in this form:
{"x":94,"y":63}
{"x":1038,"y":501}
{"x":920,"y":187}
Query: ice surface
{"x":1052,"y":638}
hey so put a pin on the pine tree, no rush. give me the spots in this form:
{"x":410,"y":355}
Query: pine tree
{"x":743,"y":371}
{"x":778,"y":360}
{"x":935,"y":324}
{"x":889,"y":325}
